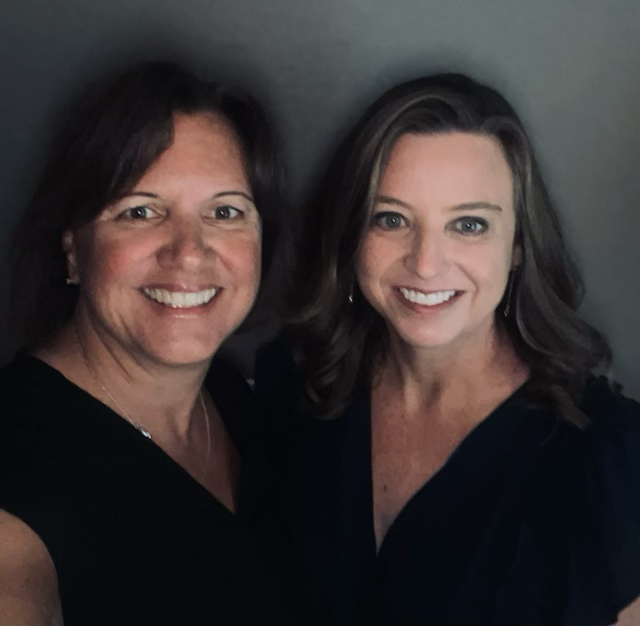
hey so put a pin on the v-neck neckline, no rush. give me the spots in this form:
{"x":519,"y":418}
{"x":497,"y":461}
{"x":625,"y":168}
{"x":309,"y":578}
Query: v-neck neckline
{"x":94,"y":414}
{"x":463,"y":459}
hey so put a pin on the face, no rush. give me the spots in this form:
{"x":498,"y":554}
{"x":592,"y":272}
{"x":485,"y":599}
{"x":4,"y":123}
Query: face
{"x":170,"y":270}
{"x":435,"y":259}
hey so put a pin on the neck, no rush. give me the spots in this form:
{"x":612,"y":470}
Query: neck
{"x":435,"y":376}
{"x":161,"y":399}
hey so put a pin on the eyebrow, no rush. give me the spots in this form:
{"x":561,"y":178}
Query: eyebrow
{"x":234,"y":193}
{"x":148,"y":194}
{"x":391,"y":200}
{"x":472,"y":206}
{"x":465,"y":206}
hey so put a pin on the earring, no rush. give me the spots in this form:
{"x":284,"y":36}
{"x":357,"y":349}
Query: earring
{"x":350,"y":296}
{"x":507,"y":306}
{"x":70,"y":281}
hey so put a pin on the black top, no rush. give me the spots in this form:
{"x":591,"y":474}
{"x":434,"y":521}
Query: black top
{"x":530,"y":521}
{"x":134,"y":538}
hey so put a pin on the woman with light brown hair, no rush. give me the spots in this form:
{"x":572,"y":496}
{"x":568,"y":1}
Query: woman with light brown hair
{"x":457,"y":460}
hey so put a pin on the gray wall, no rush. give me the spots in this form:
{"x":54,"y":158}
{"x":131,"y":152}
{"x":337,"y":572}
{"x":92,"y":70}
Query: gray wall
{"x":569,"y":66}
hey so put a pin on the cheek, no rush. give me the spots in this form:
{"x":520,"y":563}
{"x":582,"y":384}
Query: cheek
{"x":490,"y":258}
{"x":108,"y":262}
{"x":244,"y":258}
{"x":365,"y":267}
{"x":372,"y":258}
{"x":379,"y":262}
{"x":492,"y":271}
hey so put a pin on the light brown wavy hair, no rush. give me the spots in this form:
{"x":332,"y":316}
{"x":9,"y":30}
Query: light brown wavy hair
{"x":335,"y":341}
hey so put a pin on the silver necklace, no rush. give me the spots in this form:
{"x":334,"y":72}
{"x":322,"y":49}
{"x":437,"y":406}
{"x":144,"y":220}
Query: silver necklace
{"x":126,"y":415}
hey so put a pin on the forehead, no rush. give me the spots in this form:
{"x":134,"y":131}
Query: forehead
{"x":447,"y":169}
{"x":203,"y":144}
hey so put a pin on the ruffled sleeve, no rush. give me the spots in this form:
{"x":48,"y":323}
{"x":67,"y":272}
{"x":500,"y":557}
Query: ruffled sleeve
{"x":605,"y":546}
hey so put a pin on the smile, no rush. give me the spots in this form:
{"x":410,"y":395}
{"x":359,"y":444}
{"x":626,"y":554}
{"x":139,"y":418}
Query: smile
{"x":181,"y":299}
{"x":427,"y":299}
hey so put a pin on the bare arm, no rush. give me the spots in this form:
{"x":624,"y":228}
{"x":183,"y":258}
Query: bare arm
{"x":28,"y":581}
{"x":631,"y":615}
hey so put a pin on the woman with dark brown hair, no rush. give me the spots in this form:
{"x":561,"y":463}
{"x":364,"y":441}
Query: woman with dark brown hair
{"x":470,"y":468}
{"x":133,"y":484}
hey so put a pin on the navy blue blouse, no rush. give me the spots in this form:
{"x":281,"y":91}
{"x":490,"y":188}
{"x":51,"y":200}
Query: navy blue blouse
{"x":530,"y":521}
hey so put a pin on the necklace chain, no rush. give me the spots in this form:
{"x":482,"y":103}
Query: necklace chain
{"x":126,"y":415}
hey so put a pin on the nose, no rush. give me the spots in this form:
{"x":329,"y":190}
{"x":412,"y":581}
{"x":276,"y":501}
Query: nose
{"x":185,"y":247}
{"x":427,"y":254}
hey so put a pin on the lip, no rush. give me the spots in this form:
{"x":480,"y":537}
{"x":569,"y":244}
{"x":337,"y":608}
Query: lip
{"x":426,"y":308}
{"x":182,"y":287}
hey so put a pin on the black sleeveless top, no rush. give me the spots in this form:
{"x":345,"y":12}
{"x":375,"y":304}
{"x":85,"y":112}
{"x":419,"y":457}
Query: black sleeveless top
{"x":134,"y":538}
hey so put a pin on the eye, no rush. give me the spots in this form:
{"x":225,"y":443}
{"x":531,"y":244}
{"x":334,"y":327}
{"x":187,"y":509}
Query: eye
{"x":389,"y":220}
{"x":227,"y":212}
{"x":137,"y":213}
{"x":471,"y":225}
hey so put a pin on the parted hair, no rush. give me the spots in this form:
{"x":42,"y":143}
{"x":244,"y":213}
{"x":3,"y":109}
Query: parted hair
{"x":106,"y":140}
{"x":335,"y":340}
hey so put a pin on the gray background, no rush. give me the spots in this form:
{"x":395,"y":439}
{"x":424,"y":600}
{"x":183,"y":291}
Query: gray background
{"x":570,"y":67}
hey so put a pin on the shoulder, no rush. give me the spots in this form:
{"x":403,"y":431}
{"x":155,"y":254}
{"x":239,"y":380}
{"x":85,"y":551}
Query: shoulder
{"x":275,"y":365}
{"x":13,"y":378}
{"x":234,"y":399}
{"x":612,"y":436}
{"x":277,"y":377}
{"x":33,"y":398}
{"x":22,"y":406}
{"x":226,"y":380}
{"x":608,"y":409}
{"x":607,"y":540}
{"x":612,"y":443}
{"x":613,"y":432}
{"x":40,"y":443}
{"x":28,"y":581}
{"x":28,"y":381}
{"x":278,"y":384}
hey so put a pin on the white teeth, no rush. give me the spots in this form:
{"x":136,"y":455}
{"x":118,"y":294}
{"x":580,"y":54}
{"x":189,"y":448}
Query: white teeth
{"x":428,"y":299}
{"x":181,"y":299}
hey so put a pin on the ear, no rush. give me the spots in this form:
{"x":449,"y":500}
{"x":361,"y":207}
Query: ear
{"x":69,"y":248}
{"x":516,"y":257}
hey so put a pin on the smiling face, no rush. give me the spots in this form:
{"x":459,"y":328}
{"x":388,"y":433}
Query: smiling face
{"x":167,"y":272}
{"x":435,"y":260}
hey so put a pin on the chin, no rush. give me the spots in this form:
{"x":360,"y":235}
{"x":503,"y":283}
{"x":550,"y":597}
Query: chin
{"x":181,"y":353}
{"x":180,"y":359}
{"x":426,"y":337}
{"x":428,"y":343}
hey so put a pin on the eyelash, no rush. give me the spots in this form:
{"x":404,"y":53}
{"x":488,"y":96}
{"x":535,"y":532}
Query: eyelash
{"x":481,"y":225}
{"x":379,"y":220}
{"x":231,"y":209}
{"x":127,"y":214}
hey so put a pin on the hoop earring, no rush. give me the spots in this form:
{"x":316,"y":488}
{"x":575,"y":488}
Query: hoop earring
{"x":507,"y":306}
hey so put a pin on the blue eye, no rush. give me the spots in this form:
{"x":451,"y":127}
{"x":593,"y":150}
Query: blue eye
{"x":227,"y":212}
{"x":471,"y":225}
{"x":389,"y":220}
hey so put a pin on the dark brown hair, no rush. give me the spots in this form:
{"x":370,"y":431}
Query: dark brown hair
{"x":335,"y":340}
{"x":108,"y":139}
